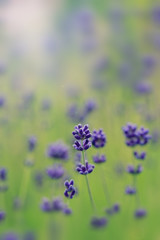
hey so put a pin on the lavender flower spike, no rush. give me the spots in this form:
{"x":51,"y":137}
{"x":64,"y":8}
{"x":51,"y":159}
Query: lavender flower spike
{"x":99,"y":158}
{"x":46,"y":205}
{"x":134,"y":170}
{"x":140,"y":156}
{"x":55,"y":172}
{"x":2,"y":215}
{"x":58,"y":150}
{"x":130,"y":190}
{"x":70,"y":190}
{"x":85,"y":169}
{"x":140,"y":213}
{"x":99,"y":222}
{"x":32,"y":143}
{"x":98,"y":138}
{"x":82,"y":135}
{"x":3,"y":174}
{"x":81,"y":132}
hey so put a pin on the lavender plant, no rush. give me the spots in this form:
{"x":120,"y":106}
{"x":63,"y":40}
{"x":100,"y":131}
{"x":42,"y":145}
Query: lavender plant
{"x":135,"y":137}
{"x":82,"y":143}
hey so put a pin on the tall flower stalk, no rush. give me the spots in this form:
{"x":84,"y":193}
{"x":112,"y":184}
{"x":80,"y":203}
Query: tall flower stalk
{"x":135,"y":137}
{"x":82,"y":143}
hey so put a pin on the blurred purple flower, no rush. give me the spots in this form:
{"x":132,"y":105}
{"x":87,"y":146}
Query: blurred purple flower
{"x":32,"y":141}
{"x":3,"y":174}
{"x":55,"y":171}
{"x":97,"y":222}
{"x":134,"y":170}
{"x":98,"y":138}
{"x":58,"y":150}
{"x":130,"y":190}
{"x":140,"y":156}
{"x":2,"y":215}
{"x":99,"y":158}
{"x":140,"y":213}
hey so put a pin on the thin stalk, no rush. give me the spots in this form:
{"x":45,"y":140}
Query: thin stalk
{"x":88,"y":187}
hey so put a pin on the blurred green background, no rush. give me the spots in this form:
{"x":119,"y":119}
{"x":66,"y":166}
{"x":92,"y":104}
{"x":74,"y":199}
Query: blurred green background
{"x":47,"y":54}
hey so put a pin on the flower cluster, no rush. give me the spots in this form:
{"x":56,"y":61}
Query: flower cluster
{"x":130,"y":190}
{"x":55,"y":171}
{"x":98,"y":138}
{"x":97,"y":222}
{"x":140,"y":156}
{"x":85,"y":169}
{"x":55,"y":205}
{"x":82,"y":135}
{"x":3,"y":174}
{"x":140,"y":213}
{"x":2,"y":215}
{"x":32,"y":143}
{"x":114,"y":209}
{"x":99,"y":158}
{"x":58,"y":150}
{"x":70,"y":189}
{"x":134,"y":170}
{"x":76,"y":114}
{"x":135,"y":136}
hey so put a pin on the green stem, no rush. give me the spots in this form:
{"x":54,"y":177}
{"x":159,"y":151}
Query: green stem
{"x":90,"y":195}
{"x":88,"y":187}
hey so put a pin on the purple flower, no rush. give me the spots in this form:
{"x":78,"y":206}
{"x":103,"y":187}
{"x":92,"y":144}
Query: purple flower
{"x":86,"y":144}
{"x":140,"y":213}
{"x":39,"y":178}
{"x":98,"y":138}
{"x":32,"y":143}
{"x":99,"y":158}
{"x":143,"y":135}
{"x":134,"y":170}
{"x":156,"y":14}
{"x":130,"y":132}
{"x":2,"y":215}
{"x":3,"y":174}
{"x":90,"y":106}
{"x":10,"y":236}
{"x":140,"y":156}
{"x":85,"y":169}
{"x":130,"y":190}
{"x":97,"y":222}
{"x":114,"y":209}
{"x":50,"y":206}
{"x":75,"y":114}
{"x":82,"y":135}
{"x":2,"y":101}
{"x":57,"y":204}
{"x":70,"y":190}
{"x":81,"y":132}
{"x":143,"y":88}
{"x":66,"y":210}
{"x":58,"y":150}
{"x":55,"y":171}
{"x":136,"y":136}
{"x":46,"y":205}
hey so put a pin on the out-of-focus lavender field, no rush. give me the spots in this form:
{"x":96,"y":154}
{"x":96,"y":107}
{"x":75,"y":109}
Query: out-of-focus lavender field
{"x":79,"y":120}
